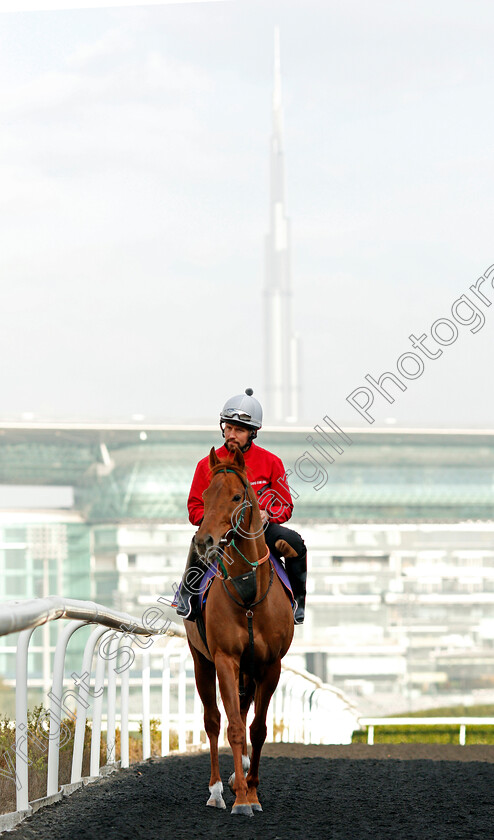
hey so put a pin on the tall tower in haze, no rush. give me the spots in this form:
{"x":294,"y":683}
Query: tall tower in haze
{"x":280,"y":343}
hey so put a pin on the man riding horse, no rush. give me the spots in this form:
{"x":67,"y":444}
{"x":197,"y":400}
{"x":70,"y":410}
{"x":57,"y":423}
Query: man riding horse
{"x":240,"y":420}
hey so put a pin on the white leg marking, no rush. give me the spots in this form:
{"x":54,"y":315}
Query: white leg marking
{"x":216,"y":800}
{"x":245,"y":768}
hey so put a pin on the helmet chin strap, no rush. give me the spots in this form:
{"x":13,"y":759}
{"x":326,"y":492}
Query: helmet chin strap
{"x":247,"y":445}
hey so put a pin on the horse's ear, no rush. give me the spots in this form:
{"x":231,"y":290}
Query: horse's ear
{"x":213,"y":458}
{"x":238,"y":459}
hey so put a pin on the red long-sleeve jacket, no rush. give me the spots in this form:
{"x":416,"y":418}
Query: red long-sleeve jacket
{"x":266,"y":474}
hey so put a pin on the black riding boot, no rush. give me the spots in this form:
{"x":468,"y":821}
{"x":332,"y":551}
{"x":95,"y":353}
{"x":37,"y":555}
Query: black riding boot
{"x":188,"y":593}
{"x":296,"y":568}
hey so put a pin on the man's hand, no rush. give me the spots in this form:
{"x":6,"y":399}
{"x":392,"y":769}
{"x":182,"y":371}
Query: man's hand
{"x":264,"y":516}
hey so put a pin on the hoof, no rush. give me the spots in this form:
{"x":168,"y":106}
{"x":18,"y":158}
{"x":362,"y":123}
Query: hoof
{"x":216,"y":803}
{"x":256,"y":806}
{"x":216,"y":800}
{"x":243,"y":810}
{"x":245,"y":768}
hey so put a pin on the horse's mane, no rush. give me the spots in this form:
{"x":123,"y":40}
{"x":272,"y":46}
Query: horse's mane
{"x":226,"y":464}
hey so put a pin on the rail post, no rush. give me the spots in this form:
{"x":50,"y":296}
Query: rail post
{"x":165,"y":704}
{"x":84,"y":694}
{"x":21,"y":761}
{"x":182,"y":702}
{"x":124,"y":714}
{"x":111,"y":699}
{"x":56,"y":705}
{"x":99,"y":685}
{"x":146,"y":691}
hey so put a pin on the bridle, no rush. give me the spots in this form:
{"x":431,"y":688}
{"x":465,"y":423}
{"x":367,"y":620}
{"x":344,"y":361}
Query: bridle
{"x":244,"y":584}
{"x":231,"y":542}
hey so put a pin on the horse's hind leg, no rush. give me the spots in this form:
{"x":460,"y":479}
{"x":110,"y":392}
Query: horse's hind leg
{"x":205,"y":674}
{"x":258,"y":729}
{"x":246,"y":697}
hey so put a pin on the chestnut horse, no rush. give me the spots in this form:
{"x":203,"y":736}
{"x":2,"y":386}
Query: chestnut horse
{"x":248,"y":623}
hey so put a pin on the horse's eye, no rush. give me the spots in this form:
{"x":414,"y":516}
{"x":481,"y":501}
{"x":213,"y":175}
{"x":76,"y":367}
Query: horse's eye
{"x":237,"y":497}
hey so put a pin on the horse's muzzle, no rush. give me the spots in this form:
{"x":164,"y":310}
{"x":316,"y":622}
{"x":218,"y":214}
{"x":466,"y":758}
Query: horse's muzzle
{"x":203,"y":544}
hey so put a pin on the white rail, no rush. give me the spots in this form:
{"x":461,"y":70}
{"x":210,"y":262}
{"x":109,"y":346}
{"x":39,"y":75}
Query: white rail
{"x":462,"y":722}
{"x":308,"y":711}
{"x":113,"y":629}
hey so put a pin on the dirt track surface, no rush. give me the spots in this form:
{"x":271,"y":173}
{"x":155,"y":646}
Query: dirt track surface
{"x":411,"y":792}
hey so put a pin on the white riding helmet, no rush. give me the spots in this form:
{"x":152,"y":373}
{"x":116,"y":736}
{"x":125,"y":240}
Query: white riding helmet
{"x":244,"y":410}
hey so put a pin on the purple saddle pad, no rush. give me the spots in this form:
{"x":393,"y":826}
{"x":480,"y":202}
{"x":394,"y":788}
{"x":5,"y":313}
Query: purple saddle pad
{"x":212,"y":570}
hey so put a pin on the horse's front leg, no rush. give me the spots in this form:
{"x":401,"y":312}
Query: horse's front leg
{"x":245,"y":701}
{"x":258,"y":730}
{"x":205,"y":674}
{"x":228,"y":671}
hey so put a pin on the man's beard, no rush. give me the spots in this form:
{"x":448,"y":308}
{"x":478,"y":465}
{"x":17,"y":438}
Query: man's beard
{"x":233,"y":445}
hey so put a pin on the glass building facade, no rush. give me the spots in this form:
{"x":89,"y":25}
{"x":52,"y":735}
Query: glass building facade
{"x":399,"y":526}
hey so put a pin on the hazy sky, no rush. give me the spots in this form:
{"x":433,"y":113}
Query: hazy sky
{"x":134,"y":204}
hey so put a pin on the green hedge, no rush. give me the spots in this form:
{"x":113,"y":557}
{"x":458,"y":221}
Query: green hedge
{"x":433,"y":734}
{"x":426,"y":735}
